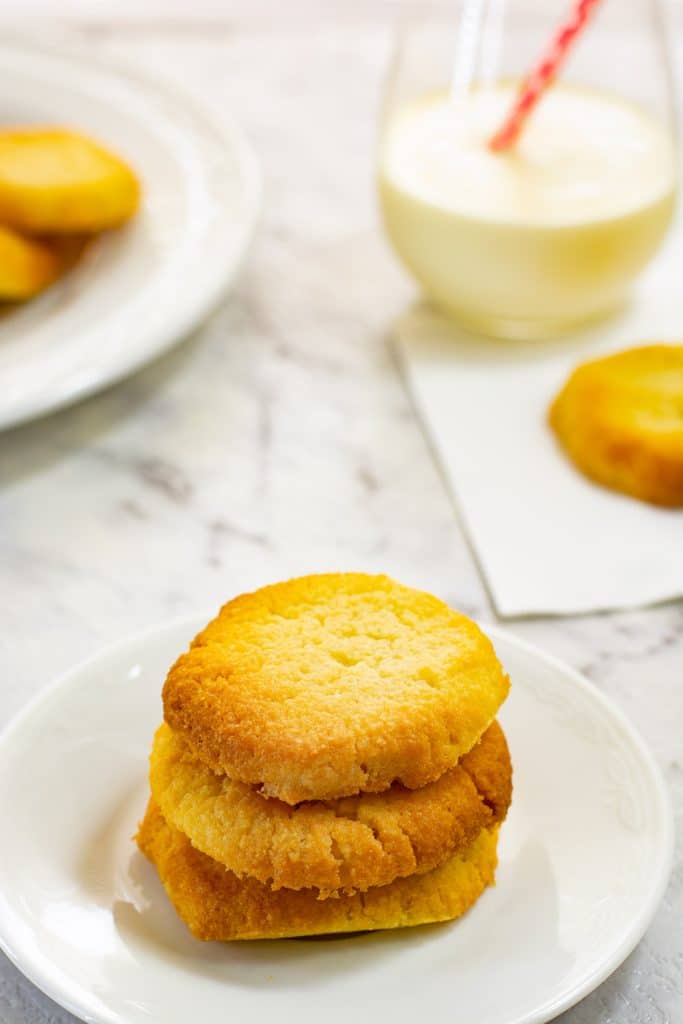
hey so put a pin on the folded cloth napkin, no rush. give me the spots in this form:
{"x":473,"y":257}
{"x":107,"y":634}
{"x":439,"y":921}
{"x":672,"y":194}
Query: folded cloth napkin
{"x":547,"y":539}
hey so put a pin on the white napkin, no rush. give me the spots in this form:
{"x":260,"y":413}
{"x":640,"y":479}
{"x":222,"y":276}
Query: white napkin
{"x":547,"y":539}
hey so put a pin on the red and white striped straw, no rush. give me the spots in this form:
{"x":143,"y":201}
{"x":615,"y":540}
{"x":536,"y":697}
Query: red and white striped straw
{"x":543,"y":75}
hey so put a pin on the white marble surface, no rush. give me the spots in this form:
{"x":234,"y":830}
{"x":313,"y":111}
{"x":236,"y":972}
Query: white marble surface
{"x":280,"y":439}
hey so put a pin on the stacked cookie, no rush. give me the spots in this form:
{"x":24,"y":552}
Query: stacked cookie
{"x":329,"y":762}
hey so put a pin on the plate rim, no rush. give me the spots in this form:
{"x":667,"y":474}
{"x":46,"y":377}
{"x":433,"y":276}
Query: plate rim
{"x":34,"y":970}
{"x":665,"y":819}
{"x":228,"y":133}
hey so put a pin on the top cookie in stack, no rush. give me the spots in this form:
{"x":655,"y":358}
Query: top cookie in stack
{"x":326,"y":686}
{"x":362,"y":710}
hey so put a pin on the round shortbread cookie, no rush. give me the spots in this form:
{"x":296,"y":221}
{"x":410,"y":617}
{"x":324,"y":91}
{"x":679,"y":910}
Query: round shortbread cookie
{"x":351,"y":844}
{"x":620,"y":420}
{"x":217,"y":905}
{"x":54,"y":181}
{"x":326,"y":686}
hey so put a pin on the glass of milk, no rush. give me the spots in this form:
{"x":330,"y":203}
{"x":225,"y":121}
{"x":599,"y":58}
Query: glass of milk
{"x":551,"y":234}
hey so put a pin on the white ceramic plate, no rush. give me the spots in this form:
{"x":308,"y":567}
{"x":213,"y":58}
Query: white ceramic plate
{"x":584,"y":858}
{"x":140,"y":290}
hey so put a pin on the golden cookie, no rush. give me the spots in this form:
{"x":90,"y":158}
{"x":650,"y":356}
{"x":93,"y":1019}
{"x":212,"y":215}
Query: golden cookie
{"x":326,"y":686}
{"x":26,"y":266}
{"x":216,"y":904}
{"x":54,"y":181}
{"x":620,"y":420}
{"x":350,"y":844}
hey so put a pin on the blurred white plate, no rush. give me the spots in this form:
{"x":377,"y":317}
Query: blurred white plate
{"x":140,"y":290}
{"x":584,"y":859}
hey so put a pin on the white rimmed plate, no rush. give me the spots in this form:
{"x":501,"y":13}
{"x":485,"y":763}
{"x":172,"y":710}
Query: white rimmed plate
{"x":584,"y":858}
{"x":139,"y":290}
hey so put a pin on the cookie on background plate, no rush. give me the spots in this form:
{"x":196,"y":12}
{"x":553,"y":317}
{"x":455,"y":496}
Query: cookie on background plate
{"x":55,"y":181}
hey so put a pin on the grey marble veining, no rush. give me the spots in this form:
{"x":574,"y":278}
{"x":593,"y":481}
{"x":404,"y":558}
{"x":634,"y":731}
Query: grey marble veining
{"x":279,"y":439}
